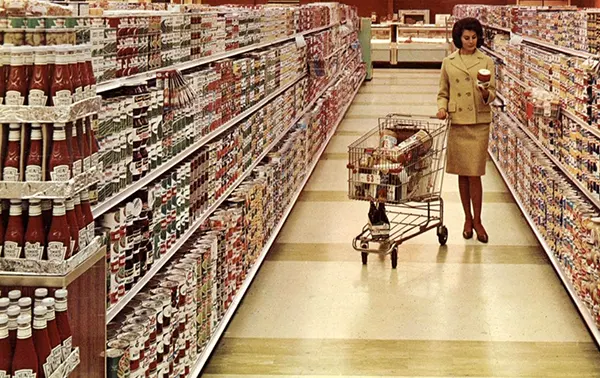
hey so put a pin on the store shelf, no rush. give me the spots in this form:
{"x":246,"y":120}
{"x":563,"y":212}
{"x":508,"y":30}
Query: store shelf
{"x":35,"y":279}
{"x":519,"y":81}
{"x":492,"y":53}
{"x":552,"y":46}
{"x":583,"y":310}
{"x":115,"y":309}
{"x":591,"y":197}
{"x":49,"y":114}
{"x":119,"y":82}
{"x":506,"y":30}
{"x":154,"y":174}
{"x":203,"y":357}
{"x":591,"y":129}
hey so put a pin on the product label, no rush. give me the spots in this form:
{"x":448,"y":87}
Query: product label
{"x":77,"y":167}
{"x":63,"y":98}
{"x":95,"y":161}
{"x":56,"y":357}
{"x":56,"y":251}
{"x":14,"y":98}
{"x":67,"y":347}
{"x":4,"y":374}
{"x":10,"y":174}
{"x":78,"y":95}
{"x":83,"y":242}
{"x":90,"y":232}
{"x":47,"y":366}
{"x":87,"y":163}
{"x":34,"y":251}
{"x":12,"y":250}
{"x":60,"y":173}
{"x":33,"y":173}
{"x":37,"y":98}
{"x":24,"y":373}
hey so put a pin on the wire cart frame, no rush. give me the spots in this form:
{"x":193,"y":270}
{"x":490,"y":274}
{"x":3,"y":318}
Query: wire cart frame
{"x":407,"y":179}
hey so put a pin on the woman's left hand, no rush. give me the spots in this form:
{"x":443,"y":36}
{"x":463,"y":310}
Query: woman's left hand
{"x":484,"y":92}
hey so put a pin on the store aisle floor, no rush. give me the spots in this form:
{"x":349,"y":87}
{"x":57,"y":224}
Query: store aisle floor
{"x":463,"y":310}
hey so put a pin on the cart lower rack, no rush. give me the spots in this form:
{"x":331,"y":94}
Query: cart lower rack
{"x":399,"y":168}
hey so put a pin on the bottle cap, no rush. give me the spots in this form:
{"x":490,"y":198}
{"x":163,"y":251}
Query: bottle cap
{"x":25,"y":302}
{"x":48,"y":302}
{"x":35,"y":202}
{"x":41,"y":292}
{"x":24,"y":319}
{"x":40,"y":311}
{"x":4,"y":302}
{"x":15,"y":202}
{"x":14,"y":295}
{"x":61,"y":294}
{"x":13,"y":311}
{"x":3,"y":319}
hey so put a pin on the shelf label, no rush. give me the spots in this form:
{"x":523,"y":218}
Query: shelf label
{"x":300,"y":41}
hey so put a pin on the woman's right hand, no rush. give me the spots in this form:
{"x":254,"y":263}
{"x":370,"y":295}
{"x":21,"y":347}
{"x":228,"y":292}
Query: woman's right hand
{"x":442,"y":114}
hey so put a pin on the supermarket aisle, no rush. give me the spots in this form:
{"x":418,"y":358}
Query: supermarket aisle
{"x":466,"y":309}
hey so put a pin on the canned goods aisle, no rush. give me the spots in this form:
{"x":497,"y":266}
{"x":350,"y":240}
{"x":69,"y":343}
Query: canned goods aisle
{"x":466,"y":309}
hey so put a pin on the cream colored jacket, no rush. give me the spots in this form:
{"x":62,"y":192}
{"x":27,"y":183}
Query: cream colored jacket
{"x":459,"y":94}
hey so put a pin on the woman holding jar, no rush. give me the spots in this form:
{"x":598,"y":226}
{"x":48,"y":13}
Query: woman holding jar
{"x":467,"y":88}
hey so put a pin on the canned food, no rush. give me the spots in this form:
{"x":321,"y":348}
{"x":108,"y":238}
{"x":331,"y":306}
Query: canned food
{"x":117,"y":363}
{"x":136,"y":347}
{"x":14,"y":37}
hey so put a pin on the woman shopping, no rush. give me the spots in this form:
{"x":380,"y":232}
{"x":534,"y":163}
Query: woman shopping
{"x":467,"y":88}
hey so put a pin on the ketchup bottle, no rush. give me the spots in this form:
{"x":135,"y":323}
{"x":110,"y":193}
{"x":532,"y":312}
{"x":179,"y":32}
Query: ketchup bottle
{"x":56,"y":354}
{"x":73,"y":225}
{"x":35,"y":236}
{"x":16,"y":85}
{"x":62,"y":322}
{"x":83,"y":242}
{"x":75,"y":75}
{"x":13,"y":238}
{"x":60,"y":164}
{"x":2,"y":231}
{"x":25,"y":361}
{"x":6,"y":351}
{"x":75,"y":153}
{"x":47,"y":214}
{"x":88,"y":217}
{"x":13,"y":297}
{"x":4,"y":303}
{"x":85,"y":146}
{"x":13,"y":313}
{"x":25,"y":306}
{"x":61,"y":87}
{"x":4,"y":66}
{"x":59,"y":236}
{"x":41,"y":340}
{"x":12,"y":161}
{"x":40,"y":294}
{"x":94,"y":149}
{"x":82,"y":69}
{"x":90,"y":71}
{"x":39,"y":86}
{"x":33,"y":165}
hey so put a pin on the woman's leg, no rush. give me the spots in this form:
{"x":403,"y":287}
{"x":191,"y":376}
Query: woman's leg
{"x":465,"y":199}
{"x":476,"y":190}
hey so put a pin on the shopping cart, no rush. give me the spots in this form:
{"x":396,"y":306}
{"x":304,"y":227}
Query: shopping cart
{"x":399,"y":167}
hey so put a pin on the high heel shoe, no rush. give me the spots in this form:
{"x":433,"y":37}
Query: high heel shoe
{"x":468,"y":234}
{"x":483,"y":237}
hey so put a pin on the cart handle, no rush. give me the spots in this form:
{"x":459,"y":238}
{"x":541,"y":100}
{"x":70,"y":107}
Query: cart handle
{"x":412,"y":116}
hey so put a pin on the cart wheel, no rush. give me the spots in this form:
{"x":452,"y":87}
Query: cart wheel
{"x":394,"y":258}
{"x":365,"y":257}
{"x":442,"y":235}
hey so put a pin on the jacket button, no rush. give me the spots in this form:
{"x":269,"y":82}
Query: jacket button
{"x":458,"y":81}
{"x":468,"y":78}
{"x":468,"y":94}
{"x":458,"y":94}
{"x":470,"y":108}
{"x":460,"y":109}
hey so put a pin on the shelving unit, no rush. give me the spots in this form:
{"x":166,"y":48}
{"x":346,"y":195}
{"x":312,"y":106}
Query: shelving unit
{"x":203,"y":357}
{"x":505,"y":30}
{"x":492,"y":54}
{"x":114,"y":310}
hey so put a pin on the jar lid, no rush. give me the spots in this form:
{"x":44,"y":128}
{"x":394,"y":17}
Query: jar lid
{"x":40,"y":311}
{"x":24,"y":319}
{"x":13,"y":311}
{"x":3,"y":319}
{"x":61,"y":294}
{"x":14,"y":294}
{"x":25,"y":302}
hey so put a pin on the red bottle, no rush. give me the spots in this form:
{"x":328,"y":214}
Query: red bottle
{"x":75,"y":75}
{"x":56,"y":354}
{"x":41,"y":341}
{"x":85,"y":146}
{"x":47,"y":214}
{"x":35,"y":236}
{"x":33,"y":165}
{"x":82,"y":68}
{"x":87,"y":216}
{"x":4,"y":303}
{"x":16,"y":85}
{"x":90,"y":71}
{"x":59,"y":236}
{"x":94,"y":149}
{"x":40,"y":294}
{"x":76,"y":153}
{"x":60,"y":164}
{"x":4,"y":67}
{"x":25,"y":361}
{"x":13,"y":313}
{"x":73,"y":225}
{"x":82,"y":227}
{"x":61,"y":88}
{"x":13,"y":238}
{"x":6,"y":351}
{"x":39,"y":85}
{"x":62,"y":322}
{"x":25,"y":306}
{"x":12,"y":161}
{"x":2,"y":231}
{"x":13,"y":297}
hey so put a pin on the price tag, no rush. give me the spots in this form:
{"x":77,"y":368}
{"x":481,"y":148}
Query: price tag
{"x":300,"y":41}
{"x":369,"y":178}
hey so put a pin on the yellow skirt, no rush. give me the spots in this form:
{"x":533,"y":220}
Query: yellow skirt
{"x":467,"y":149}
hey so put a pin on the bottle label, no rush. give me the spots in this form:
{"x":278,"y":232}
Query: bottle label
{"x":56,"y":356}
{"x":60,"y":173}
{"x":12,"y":250}
{"x":33,"y":173}
{"x":77,"y":167}
{"x":56,"y":251}
{"x":67,"y":347}
{"x":34,"y":251}
{"x":83,"y":242}
{"x":37,"y":97}
{"x":47,"y":366}
{"x":10,"y":174}
{"x":90,"y":232}
{"x":62,"y":98}
{"x":14,"y":98}
{"x":4,"y":374}
{"x":24,"y":373}
{"x":87,"y":163}
{"x":78,"y":95}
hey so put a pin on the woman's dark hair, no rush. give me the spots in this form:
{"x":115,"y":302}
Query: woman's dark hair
{"x":471,"y":24}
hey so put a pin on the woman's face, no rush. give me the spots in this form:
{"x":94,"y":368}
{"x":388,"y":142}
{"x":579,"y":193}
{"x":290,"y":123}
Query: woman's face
{"x":469,"y":40}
